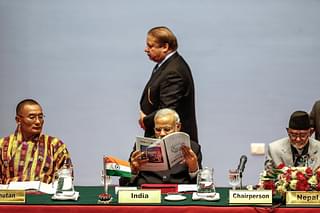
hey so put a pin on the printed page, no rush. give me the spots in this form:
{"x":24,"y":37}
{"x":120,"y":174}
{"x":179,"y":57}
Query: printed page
{"x":26,"y":185}
{"x":154,"y":151}
{"x":143,"y":142}
{"x":187,"y":188}
{"x":4,"y":186}
{"x":32,"y":185}
{"x":173,"y":143}
{"x":47,"y":188}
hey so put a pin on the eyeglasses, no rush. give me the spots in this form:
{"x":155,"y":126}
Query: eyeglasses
{"x":33,"y":117}
{"x":298,"y":135}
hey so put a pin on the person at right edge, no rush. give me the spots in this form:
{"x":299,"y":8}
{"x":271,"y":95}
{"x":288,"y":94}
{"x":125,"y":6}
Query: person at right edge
{"x":296,"y":150}
{"x":170,"y":85}
{"x":315,"y":119}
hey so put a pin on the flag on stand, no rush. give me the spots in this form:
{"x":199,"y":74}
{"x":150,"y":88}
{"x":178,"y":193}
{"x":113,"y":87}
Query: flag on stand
{"x":117,"y":167}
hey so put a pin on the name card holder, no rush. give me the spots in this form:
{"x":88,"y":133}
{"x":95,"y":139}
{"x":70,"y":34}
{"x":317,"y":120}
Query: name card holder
{"x":302,"y":198}
{"x":253,"y":197}
{"x":12,"y":196}
{"x":139,"y":196}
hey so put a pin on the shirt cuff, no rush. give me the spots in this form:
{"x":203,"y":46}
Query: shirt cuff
{"x":193,"y":174}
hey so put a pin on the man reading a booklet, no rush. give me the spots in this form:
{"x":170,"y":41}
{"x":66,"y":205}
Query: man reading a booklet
{"x":166,"y":122}
{"x":29,"y":155}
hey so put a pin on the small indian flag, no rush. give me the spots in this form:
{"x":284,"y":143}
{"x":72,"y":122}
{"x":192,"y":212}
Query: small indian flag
{"x":117,"y":167}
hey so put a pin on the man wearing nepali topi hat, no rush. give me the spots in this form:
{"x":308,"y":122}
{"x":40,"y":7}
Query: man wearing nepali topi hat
{"x":298,"y":149}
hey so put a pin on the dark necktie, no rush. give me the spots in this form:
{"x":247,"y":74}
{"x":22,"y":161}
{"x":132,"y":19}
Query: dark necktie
{"x":300,"y":159}
{"x":155,"y":68}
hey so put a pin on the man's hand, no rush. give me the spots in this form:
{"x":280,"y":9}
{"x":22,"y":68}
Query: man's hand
{"x":142,"y":115}
{"x":190,"y":158}
{"x":136,"y":161}
{"x":269,"y":167}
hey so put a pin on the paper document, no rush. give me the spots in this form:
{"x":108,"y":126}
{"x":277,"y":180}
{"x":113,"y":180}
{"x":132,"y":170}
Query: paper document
{"x":32,"y":185}
{"x":162,"y":154}
{"x":26,"y":185}
{"x":187,"y":188}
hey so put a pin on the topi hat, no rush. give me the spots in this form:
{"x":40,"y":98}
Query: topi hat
{"x":299,"y":120}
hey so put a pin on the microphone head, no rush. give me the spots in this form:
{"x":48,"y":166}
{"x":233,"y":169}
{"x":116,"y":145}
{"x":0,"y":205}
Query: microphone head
{"x":243,"y":161}
{"x":243,"y":158}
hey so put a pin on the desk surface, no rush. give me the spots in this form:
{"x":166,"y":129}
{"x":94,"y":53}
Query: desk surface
{"x":89,"y":197}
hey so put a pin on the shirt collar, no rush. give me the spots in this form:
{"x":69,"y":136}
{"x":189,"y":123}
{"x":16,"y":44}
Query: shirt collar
{"x":166,"y":58}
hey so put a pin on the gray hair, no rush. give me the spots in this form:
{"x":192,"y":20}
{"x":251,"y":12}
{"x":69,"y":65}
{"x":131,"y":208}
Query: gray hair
{"x":167,"y":112}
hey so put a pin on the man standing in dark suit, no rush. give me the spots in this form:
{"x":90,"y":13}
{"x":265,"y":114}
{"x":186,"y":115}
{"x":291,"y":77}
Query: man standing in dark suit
{"x":170,"y":85}
{"x":315,"y":119}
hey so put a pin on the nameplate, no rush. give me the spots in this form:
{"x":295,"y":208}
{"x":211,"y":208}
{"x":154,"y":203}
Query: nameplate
{"x":250,"y":197}
{"x":139,"y":196}
{"x":12,"y":196}
{"x":299,"y":198}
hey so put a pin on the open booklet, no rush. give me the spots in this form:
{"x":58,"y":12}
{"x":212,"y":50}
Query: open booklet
{"x":164,"y":153}
{"x":30,"y":185}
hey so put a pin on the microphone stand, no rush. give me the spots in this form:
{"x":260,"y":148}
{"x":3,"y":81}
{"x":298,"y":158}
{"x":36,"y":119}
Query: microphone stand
{"x":240,"y":180}
{"x":105,"y":184}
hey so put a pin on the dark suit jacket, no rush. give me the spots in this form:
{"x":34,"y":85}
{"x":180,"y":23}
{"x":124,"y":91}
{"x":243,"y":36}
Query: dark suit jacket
{"x":315,"y":119}
{"x":178,"y":174}
{"x":171,"y":86}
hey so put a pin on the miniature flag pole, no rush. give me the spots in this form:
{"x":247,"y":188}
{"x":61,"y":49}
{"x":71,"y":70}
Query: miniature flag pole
{"x":106,"y":178}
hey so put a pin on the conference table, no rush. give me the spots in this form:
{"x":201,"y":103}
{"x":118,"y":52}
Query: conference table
{"x":88,"y":202}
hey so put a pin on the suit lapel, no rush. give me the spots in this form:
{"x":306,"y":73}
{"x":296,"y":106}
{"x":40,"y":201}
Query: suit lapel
{"x":313,"y":153}
{"x":160,"y":69}
{"x":156,"y":74}
{"x":287,"y":154}
{"x":153,"y":76}
{"x":145,"y":90}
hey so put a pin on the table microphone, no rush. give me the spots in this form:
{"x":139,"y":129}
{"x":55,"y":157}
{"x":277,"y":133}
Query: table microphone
{"x":242,"y":164}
